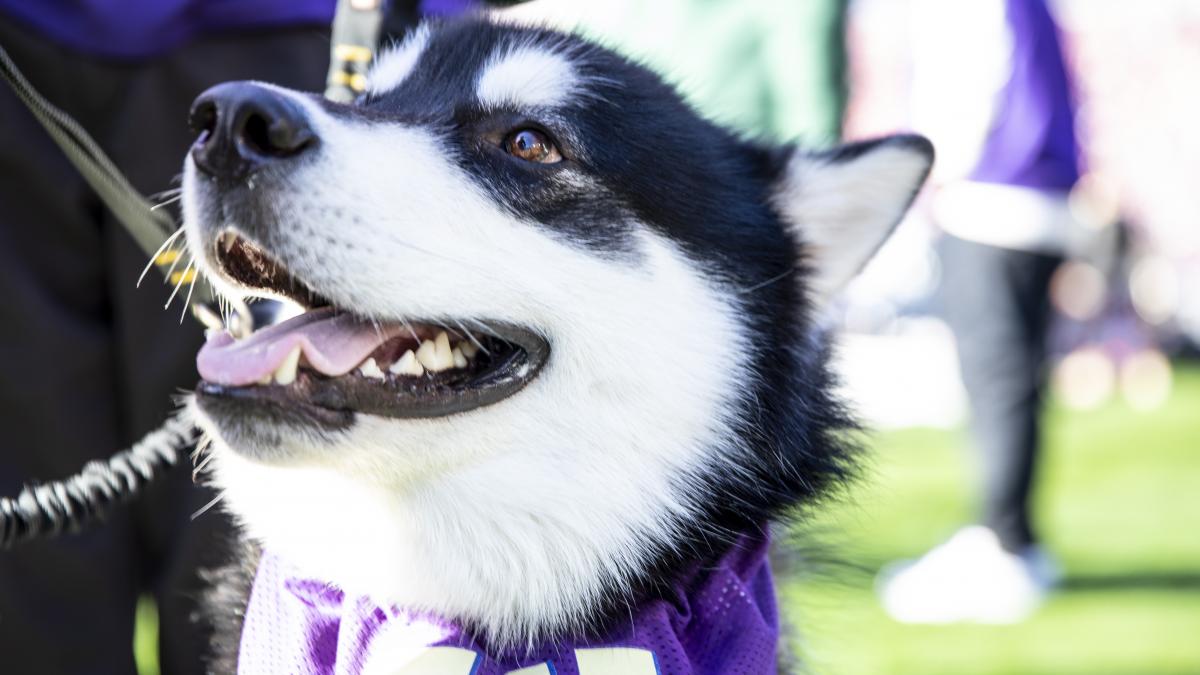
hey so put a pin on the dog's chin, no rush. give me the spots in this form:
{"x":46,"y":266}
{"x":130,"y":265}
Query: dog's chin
{"x":270,"y":426}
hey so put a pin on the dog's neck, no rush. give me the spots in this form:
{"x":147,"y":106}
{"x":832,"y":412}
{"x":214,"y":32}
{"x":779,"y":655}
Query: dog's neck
{"x":465,"y":547}
{"x":714,"y":616}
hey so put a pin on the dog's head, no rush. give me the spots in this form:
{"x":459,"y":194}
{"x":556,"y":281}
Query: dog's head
{"x":559,"y":338}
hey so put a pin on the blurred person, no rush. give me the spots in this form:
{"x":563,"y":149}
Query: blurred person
{"x":991,"y":89}
{"x":92,"y":362}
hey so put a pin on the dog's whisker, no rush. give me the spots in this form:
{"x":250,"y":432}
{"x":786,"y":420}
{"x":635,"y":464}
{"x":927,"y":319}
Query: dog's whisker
{"x":174,"y":263}
{"x":204,"y":509}
{"x":179,"y":283}
{"x":198,"y":468}
{"x":203,"y":445}
{"x":191,"y":287}
{"x":169,"y":192}
{"x":450,"y":259}
{"x":471,"y":336}
{"x":411,"y":331}
{"x":162,"y":247}
{"x":222,"y":305}
{"x":763,"y":284}
{"x":484,"y":328}
{"x":167,"y":202}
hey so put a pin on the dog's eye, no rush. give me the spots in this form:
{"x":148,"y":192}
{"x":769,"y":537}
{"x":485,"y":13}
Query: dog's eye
{"x":532,"y":145}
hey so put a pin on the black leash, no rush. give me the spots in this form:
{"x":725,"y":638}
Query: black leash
{"x":71,"y":504}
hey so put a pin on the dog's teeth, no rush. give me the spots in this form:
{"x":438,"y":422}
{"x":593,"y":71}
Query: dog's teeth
{"x":371,"y":369}
{"x":407,"y":365}
{"x":286,"y":373}
{"x":460,"y":361}
{"x":436,"y":355}
{"x":427,"y":355}
{"x":445,"y":356}
{"x":266,"y":379}
{"x":469,"y":349}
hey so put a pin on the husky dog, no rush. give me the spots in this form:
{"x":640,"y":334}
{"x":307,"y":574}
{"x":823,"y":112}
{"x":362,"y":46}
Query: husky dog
{"x":559,"y":363}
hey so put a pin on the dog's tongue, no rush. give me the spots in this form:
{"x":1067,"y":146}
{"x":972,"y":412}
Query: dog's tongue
{"x":332,"y":344}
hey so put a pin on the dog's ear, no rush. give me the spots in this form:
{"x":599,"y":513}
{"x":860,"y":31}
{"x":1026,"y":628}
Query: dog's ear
{"x":843,"y":203}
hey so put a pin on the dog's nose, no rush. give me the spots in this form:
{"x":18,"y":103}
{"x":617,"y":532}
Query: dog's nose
{"x":243,"y":126}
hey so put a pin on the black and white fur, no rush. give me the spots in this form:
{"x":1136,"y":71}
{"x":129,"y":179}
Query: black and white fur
{"x":675,"y":268}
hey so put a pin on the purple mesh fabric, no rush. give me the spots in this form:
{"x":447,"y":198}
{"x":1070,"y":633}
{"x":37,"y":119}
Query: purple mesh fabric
{"x":719,"y":620}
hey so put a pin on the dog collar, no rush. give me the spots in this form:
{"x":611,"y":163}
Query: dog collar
{"x":718,"y":619}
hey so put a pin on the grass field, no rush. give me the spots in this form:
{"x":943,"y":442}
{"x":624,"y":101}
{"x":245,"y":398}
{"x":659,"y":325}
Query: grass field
{"x":1118,"y":503}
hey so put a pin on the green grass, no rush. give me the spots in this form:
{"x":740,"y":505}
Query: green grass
{"x":145,"y":637}
{"x":1118,"y":502}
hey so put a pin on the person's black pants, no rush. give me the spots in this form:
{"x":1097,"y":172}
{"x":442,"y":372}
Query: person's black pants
{"x":90,"y":363}
{"x":997,"y":303}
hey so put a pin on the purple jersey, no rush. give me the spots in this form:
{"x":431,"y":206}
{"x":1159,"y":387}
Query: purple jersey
{"x":1032,"y":143}
{"x":719,"y":620}
{"x":131,"y":29}
{"x":135,"y":29}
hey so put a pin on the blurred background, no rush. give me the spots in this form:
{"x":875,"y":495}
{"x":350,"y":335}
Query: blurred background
{"x":1109,"y":466}
{"x":1116,"y":492}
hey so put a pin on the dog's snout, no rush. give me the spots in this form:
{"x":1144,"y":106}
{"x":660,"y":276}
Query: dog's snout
{"x":243,"y":126}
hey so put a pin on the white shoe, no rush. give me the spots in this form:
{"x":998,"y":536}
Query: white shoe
{"x":968,"y":578}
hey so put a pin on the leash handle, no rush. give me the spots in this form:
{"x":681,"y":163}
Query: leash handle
{"x":356,"y":27}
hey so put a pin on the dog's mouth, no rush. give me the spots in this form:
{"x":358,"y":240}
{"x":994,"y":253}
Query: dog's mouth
{"x":336,"y":362}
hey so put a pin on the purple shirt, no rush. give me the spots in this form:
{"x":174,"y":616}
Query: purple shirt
{"x":719,"y":620}
{"x":1032,"y":143}
{"x":136,"y":29}
{"x":131,"y":29}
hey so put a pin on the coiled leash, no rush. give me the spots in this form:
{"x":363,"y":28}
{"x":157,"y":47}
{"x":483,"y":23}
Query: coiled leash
{"x":68,"y":505}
